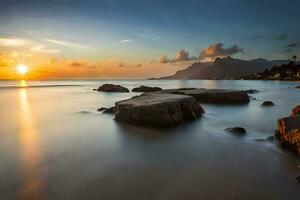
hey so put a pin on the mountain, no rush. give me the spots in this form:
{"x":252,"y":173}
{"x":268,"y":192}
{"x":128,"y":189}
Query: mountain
{"x":225,"y":68}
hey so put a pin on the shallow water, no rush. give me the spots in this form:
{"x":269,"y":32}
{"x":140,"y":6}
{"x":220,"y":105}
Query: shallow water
{"x":54,"y":145}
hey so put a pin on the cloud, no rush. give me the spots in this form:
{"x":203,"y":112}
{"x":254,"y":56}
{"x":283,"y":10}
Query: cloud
{"x":148,"y":37}
{"x":125,"y":40}
{"x":181,"y":56}
{"x":130,"y":66}
{"x":66,"y":43}
{"x":281,"y":37}
{"x":163,"y":59}
{"x":77,"y":64}
{"x":217,"y":50}
{"x":13,"y":42}
{"x":292,"y":45}
{"x":210,"y":53}
{"x":42,"y":49}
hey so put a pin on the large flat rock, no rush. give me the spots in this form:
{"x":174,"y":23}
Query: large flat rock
{"x":158,"y":110}
{"x":215,"y":96}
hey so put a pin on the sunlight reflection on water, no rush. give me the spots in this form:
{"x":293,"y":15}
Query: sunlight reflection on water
{"x":31,"y":185}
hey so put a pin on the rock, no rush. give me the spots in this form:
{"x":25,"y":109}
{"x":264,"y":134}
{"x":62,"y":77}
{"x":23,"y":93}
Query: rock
{"x":101,"y":109}
{"x":289,"y":133}
{"x":270,"y":138}
{"x":253,"y":98}
{"x":146,"y":89}
{"x":267,"y":103}
{"x":236,"y":130}
{"x":298,"y":179}
{"x":298,"y":87}
{"x":112,"y":88}
{"x":296,"y":111}
{"x":95,"y":89}
{"x":158,"y":110}
{"x":110,"y":110}
{"x":251,"y":91}
{"x":214,"y":96}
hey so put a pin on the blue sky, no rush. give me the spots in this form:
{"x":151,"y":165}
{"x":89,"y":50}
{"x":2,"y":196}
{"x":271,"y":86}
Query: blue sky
{"x":144,"y":30}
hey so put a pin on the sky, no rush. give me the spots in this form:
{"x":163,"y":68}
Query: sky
{"x":122,"y":39}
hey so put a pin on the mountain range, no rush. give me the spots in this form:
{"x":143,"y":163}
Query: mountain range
{"x":225,"y":68}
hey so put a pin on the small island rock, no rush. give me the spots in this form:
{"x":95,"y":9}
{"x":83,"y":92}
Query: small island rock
{"x":146,"y":89}
{"x":267,"y":103}
{"x":112,"y":88}
{"x":236,"y":130}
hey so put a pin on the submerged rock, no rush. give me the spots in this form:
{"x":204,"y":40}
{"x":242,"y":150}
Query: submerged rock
{"x":236,"y":130}
{"x":251,"y":91}
{"x":112,"y":88}
{"x":110,"y":110}
{"x":214,"y":96}
{"x":296,"y":111}
{"x":298,"y":87}
{"x":270,"y":138}
{"x":267,"y":103}
{"x":158,"y":110}
{"x":146,"y":89}
{"x":101,"y":109}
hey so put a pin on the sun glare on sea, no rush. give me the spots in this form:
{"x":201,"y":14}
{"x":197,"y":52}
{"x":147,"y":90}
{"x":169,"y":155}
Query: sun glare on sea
{"x":22,"y":69}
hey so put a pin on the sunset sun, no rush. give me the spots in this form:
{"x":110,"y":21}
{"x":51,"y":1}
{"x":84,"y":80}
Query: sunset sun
{"x":22,"y":69}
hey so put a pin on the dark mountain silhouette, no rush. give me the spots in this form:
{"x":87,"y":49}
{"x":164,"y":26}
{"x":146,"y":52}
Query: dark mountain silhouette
{"x":225,"y":68}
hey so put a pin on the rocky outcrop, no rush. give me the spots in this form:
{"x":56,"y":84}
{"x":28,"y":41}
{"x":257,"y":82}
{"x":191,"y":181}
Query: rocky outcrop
{"x":158,"y":110}
{"x":267,"y":103}
{"x":214,"y":96}
{"x":112,"y":88}
{"x":236,"y":130}
{"x":289,"y":132}
{"x":296,"y":111}
{"x":146,"y":89}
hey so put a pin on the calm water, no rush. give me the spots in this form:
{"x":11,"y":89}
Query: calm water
{"x":54,"y":145}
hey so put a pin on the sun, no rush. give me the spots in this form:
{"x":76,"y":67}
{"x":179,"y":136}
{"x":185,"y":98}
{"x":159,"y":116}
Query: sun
{"x":22,"y":69}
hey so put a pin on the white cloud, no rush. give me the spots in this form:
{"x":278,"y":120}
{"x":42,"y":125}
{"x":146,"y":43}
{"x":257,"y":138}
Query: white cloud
{"x":148,"y":36}
{"x":42,"y":49}
{"x":13,"y":42}
{"x":125,"y":40}
{"x":66,"y":43}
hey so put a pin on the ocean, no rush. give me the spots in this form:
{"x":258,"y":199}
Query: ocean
{"x":55,"y":145}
